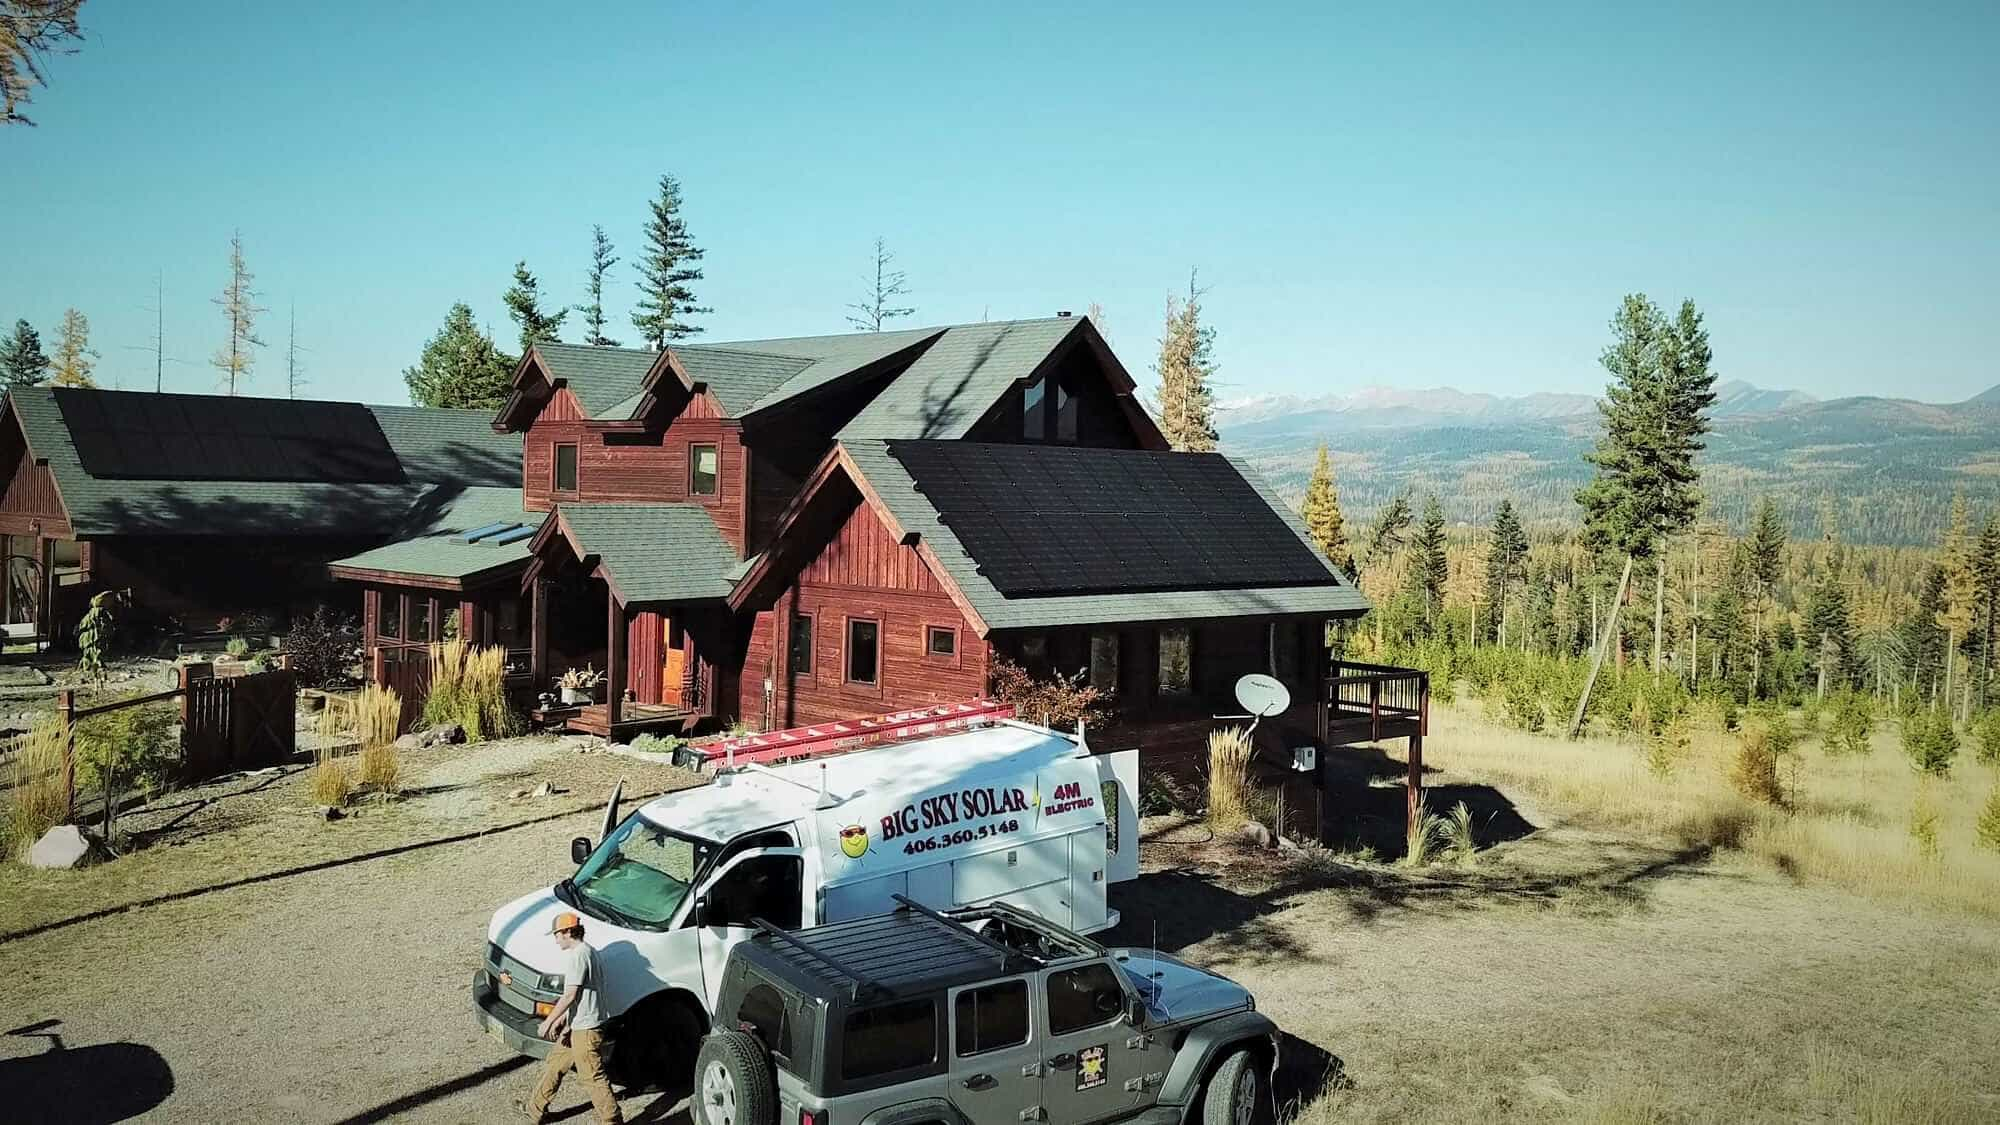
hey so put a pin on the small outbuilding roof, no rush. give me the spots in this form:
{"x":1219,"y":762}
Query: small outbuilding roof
{"x":649,"y":552}
{"x":478,"y":533}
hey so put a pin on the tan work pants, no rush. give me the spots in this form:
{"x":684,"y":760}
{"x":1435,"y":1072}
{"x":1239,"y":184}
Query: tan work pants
{"x":583,"y":1050}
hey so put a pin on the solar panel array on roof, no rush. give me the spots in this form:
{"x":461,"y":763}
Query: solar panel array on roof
{"x":1044,"y":520}
{"x":210,"y":437}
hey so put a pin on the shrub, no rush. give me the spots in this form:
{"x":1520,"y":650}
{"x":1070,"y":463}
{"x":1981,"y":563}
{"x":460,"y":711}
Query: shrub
{"x":37,"y":790}
{"x":1924,"y":825}
{"x":1055,"y":701}
{"x":126,"y":749}
{"x":95,"y":632}
{"x":1930,"y":742}
{"x":657,"y":744}
{"x":322,"y":645}
{"x":1421,"y":838}
{"x":1229,"y":753}
{"x":379,"y":767}
{"x":1666,"y":746}
{"x":1754,"y":772}
{"x":1524,"y":708}
{"x":1457,"y":835}
{"x":1989,"y":821}
{"x":332,"y":781}
{"x":1853,"y":719}
{"x":1986,"y":735}
{"x":237,"y":648}
{"x":378,"y":715}
{"x":468,"y":686}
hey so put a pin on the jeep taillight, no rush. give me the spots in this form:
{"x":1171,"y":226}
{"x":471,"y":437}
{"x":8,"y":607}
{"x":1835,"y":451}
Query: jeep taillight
{"x":812,"y":1117}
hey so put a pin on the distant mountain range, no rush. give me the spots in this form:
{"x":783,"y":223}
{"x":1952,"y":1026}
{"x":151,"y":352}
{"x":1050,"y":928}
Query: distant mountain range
{"x":1888,"y":466}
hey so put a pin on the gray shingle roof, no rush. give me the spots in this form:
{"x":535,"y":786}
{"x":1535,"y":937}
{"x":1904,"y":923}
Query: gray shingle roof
{"x":426,"y":545}
{"x":600,"y":378}
{"x":452,"y":448}
{"x":958,"y":379}
{"x":654,"y":552}
{"x":899,"y":493}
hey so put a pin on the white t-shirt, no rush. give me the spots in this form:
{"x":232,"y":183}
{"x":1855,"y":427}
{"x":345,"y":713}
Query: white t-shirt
{"x":580,"y":971}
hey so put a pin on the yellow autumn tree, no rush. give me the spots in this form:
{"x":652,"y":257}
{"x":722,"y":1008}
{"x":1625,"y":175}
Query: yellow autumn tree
{"x":74,"y":359}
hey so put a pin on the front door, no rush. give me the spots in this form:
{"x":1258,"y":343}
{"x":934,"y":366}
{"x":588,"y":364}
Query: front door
{"x":673,"y":671}
{"x":994,"y":1071}
{"x":766,"y":883}
{"x":1093,"y":1062}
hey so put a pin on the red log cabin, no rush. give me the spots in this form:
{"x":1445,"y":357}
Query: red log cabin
{"x":774,"y":532}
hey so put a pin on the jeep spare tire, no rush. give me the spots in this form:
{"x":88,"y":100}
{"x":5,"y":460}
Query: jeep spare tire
{"x":1237,"y":1092}
{"x":733,"y":1083}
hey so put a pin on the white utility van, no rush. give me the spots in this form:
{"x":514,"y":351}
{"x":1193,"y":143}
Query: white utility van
{"x":1003,"y":812}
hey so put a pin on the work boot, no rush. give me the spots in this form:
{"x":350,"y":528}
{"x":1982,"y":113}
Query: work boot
{"x":523,"y":1109}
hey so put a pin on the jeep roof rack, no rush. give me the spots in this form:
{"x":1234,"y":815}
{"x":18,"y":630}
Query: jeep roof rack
{"x":909,"y":950}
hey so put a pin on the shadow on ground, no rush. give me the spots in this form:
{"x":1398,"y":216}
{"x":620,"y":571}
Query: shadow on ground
{"x":92,"y":1085}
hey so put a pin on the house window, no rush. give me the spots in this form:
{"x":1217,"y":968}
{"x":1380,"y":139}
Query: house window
{"x":1034,"y":426}
{"x":941,"y":642}
{"x":801,"y":658}
{"x":420,"y":619}
{"x":864,"y":650}
{"x":1104,"y":662}
{"x":1065,"y":414}
{"x":389,"y":616}
{"x":1176,"y":661}
{"x":1283,"y":657}
{"x":1035,"y":653}
{"x":703,"y":464}
{"x":565,"y":468}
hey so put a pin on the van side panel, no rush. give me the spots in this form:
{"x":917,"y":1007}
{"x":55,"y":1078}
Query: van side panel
{"x":1089,"y":910}
{"x":1033,"y":876}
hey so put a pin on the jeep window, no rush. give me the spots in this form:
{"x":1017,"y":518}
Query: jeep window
{"x":992,"y":1017}
{"x":765,"y":886}
{"x":763,"y":1011}
{"x":640,"y":874}
{"x":892,"y":1037}
{"x":1082,"y":997}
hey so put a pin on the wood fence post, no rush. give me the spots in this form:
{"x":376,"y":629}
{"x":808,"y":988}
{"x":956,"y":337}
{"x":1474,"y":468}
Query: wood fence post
{"x":66,"y":705}
{"x":1416,"y":782}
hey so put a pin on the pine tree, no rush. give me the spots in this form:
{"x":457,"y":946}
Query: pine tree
{"x":1923,"y":638}
{"x":1986,"y":576}
{"x":1766,"y":556}
{"x":1428,"y":565}
{"x":1830,"y":631}
{"x":665,"y":301}
{"x":239,"y":306}
{"x":74,"y":358}
{"x":1321,"y":512}
{"x":875,"y":308}
{"x":1186,"y":363}
{"x":1506,"y":562}
{"x":601,"y":261}
{"x":22,"y":363}
{"x":461,"y":367}
{"x":524,"y":305}
{"x":1961,"y":592}
{"x":1654,"y":413}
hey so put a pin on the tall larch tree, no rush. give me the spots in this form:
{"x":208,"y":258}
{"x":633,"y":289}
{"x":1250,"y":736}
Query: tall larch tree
{"x":601,"y":261}
{"x":1655,"y":411}
{"x":1961,"y":592}
{"x":22,"y":363}
{"x":30,"y":30}
{"x":1506,"y":563}
{"x":74,"y":359}
{"x":461,"y":367}
{"x":877,"y":305}
{"x":238,"y":302}
{"x":1186,"y":364}
{"x":666,"y":304}
{"x":1321,"y":511}
{"x":1429,"y":565}
{"x":524,"y":307}
{"x":295,"y":372}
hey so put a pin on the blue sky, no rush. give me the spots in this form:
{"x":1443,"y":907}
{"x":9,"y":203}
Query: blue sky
{"x":1413,"y":195}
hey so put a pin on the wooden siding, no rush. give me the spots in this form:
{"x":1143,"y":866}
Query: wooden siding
{"x":641,"y":467}
{"x":862,"y":553}
{"x":561,"y":407}
{"x":30,"y":497}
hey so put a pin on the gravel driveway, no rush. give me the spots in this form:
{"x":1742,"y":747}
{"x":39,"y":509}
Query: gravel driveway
{"x":335,"y":996}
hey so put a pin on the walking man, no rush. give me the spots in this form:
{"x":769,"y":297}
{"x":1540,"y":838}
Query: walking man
{"x":576,"y":1026}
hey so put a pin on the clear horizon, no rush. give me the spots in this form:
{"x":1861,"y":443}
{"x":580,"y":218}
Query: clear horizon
{"x":1449,"y":197}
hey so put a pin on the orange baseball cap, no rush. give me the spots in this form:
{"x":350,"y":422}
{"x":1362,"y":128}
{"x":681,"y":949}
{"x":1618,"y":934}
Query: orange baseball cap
{"x":565,"y":921}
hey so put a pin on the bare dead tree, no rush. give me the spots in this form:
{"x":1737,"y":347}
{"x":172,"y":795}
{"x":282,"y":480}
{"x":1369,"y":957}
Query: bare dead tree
{"x":875,"y":308}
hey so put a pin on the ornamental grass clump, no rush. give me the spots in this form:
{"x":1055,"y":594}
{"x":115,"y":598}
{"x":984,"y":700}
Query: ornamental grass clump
{"x":1229,"y":753}
{"x":378,"y":713}
{"x":36,"y":786}
{"x":332,"y":780}
{"x":469,"y":687}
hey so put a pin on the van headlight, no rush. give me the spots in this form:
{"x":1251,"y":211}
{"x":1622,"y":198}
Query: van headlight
{"x":552,"y":982}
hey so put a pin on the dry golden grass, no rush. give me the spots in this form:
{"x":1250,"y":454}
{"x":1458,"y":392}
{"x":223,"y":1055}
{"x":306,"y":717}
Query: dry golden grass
{"x":378,"y":715}
{"x":1849,"y":822}
{"x":37,"y":800}
{"x":1228,"y":778}
{"x":332,"y":780}
{"x":468,"y":686}
{"x":379,"y":767}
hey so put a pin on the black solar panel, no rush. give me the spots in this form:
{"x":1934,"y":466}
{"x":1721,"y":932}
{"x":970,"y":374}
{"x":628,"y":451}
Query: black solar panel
{"x":138,"y":436}
{"x":1041,"y":519}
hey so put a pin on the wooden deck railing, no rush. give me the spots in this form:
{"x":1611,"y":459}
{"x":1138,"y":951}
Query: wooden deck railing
{"x":1356,"y":697}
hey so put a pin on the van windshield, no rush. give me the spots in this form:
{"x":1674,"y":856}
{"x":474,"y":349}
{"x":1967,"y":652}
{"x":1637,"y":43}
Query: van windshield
{"x":641,"y":872}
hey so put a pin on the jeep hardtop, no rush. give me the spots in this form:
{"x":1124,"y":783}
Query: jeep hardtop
{"x":982,"y":1015}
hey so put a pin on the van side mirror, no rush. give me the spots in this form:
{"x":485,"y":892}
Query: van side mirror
{"x":700,"y":910}
{"x":579,"y":850}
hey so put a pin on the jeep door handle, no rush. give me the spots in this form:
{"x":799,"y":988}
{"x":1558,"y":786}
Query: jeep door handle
{"x":981,"y":1082}
{"x":1063,"y":1061}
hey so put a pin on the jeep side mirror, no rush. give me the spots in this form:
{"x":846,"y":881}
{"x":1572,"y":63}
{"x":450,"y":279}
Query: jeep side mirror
{"x":1135,"y":1012}
{"x":579,"y":850}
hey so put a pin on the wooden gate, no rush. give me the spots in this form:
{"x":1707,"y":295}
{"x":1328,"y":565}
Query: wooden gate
{"x":238,"y":722}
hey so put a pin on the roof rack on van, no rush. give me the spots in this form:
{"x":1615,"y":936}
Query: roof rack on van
{"x":821,"y":739}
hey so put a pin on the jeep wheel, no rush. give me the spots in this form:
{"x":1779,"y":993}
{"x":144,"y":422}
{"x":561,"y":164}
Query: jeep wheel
{"x":733,"y":1084}
{"x":653,"y":1044}
{"x":1237,"y":1092}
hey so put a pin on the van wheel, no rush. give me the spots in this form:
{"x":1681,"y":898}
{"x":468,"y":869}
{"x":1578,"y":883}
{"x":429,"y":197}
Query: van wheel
{"x":654,"y":1044}
{"x":733,"y":1084}
{"x":1238,"y":1093}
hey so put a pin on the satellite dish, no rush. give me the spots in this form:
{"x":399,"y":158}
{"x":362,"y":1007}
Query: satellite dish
{"x":1262,"y":696}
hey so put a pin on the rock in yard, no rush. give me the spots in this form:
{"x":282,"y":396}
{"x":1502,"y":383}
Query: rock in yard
{"x":330,"y":812}
{"x":450,"y":734}
{"x":410,"y":741}
{"x":517,"y":794}
{"x":543,"y":790}
{"x":62,"y":847}
{"x":1255,"y":835}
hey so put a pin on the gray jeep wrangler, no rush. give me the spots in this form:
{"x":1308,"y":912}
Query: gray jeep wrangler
{"x":978,"y":1016}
